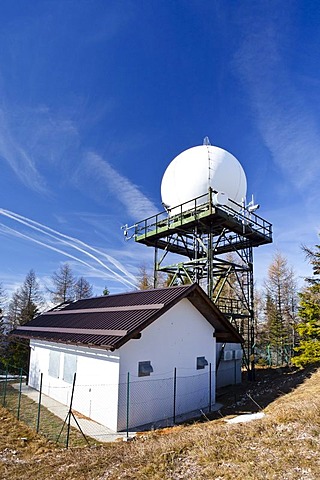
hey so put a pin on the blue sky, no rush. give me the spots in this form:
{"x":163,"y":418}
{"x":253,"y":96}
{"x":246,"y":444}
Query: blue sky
{"x":96,"y":99}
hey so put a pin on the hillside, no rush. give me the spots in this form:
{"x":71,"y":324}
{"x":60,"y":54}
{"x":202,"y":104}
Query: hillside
{"x":284,"y":445}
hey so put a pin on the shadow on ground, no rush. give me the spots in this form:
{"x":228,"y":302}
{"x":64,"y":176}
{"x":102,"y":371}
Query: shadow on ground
{"x":253,"y":396}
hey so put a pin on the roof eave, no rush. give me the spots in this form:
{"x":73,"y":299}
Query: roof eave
{"x":63,"y":341}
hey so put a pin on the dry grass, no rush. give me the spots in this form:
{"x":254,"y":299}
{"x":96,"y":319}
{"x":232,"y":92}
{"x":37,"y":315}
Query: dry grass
{"x":285,"y":445}
{"x":51,"y":426}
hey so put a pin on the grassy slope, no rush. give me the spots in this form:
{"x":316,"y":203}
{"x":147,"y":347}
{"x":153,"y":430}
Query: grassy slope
{"x":285,"y":445}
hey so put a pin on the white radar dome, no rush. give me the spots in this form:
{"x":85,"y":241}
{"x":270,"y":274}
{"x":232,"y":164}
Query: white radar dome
{"x":191,"y":173}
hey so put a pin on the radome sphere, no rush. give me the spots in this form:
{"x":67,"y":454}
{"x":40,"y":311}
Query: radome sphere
{"x":191,"y":173}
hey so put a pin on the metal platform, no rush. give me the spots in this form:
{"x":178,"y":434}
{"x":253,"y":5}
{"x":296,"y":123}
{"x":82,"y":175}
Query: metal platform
{"x":246,"y":229}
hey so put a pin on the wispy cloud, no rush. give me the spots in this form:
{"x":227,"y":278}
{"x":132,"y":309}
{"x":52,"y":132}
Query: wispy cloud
{"x":34,"y":140}
{"x":287,"y":126}
{"x":286,"y":123}
{"x":17,"y":157}
{"x":69,"y":243}
{"x":98,"y":172}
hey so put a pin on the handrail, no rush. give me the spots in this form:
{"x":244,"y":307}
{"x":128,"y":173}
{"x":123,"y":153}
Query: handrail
{"x":198,"y":206}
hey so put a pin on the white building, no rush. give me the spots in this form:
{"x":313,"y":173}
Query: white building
{"x":140,"y":358}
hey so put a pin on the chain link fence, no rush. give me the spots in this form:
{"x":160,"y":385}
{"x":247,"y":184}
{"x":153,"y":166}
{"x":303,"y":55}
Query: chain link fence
{"x":36,"y":410}
{"x":150,"y":403}
{"x":274,"y":355}
{"x":77,"y":413}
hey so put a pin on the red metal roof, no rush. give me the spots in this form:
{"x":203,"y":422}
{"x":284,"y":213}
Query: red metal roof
{"x":110,"y":321}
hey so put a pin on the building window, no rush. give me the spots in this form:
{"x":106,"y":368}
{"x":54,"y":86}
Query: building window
{"x":54,"y":364}
{"x":69,"y":367}
{"x":201,"y":363}
{"x":228,"y":355}
{"x":238,"y":354}
{"x":144,"y":369}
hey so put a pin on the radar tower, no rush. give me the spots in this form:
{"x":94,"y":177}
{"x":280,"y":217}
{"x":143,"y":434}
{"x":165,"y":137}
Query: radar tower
{"x":208,"y":238}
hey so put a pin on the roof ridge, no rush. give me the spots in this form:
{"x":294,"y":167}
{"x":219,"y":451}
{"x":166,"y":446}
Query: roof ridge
{"x":136,"y":292}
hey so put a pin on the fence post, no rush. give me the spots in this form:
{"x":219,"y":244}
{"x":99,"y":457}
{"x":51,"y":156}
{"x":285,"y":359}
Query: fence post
{"x":5,"y":388}
{"x":19,"y":398}
{"x":128,"y":402}
{"x":39,"y":403}
{"x":210,"y":386}
{"x":70,"y":410}
{"x":174,"y":393}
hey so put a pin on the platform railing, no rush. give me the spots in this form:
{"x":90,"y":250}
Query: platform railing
{"x":200,"y":207}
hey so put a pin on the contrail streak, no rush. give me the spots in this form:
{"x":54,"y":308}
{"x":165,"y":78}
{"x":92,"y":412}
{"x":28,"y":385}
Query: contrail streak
{"x":55,"y":235}
{"x":12,"y":231}
{"x":45,"y":230}
{"x":25,"y":221}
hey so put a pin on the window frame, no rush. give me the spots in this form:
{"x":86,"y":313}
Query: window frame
{"x":70,"y":364}
{"x":54,"y":364}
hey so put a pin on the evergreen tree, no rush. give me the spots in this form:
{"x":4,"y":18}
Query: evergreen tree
{"x":280,"y":302}
{"x":13,"y":310}
{"x":26,"y":301}
{"x":3,"y":296}
{"x":82,"y":289}
{"x":25,"y":304}
{"x":313,"y":256}
{"x":3,"y":336}
{"x":63,"y":285}
{"x":308,"y":327}
{"x":3,"y":333}
{"x":2,"y":301}
{"x":67,"y":288}
{"x":261,"y":329}
{"x":106,"y":291}
{"x":30,"y":299}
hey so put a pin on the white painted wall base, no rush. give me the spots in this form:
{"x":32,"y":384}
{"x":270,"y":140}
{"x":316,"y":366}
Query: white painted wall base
{"x":230,"y":366}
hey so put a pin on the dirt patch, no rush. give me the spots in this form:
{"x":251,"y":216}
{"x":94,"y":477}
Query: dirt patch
{"x":253,"y":396}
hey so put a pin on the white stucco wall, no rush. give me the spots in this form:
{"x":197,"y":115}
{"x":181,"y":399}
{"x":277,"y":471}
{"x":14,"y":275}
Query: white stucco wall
{"x":175,"y":340}
{"x":97,"y":376}
{"x":229,"y":371}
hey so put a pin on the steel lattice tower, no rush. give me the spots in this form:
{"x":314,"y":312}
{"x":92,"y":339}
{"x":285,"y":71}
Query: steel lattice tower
{"x":212,"y":245}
